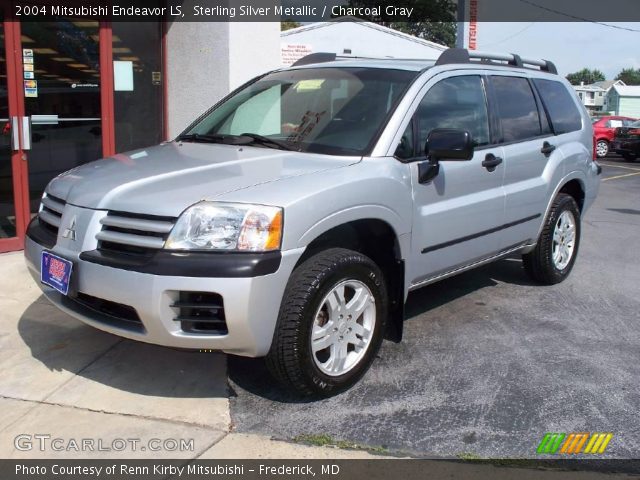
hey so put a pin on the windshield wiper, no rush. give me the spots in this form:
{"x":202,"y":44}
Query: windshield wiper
{"x":267,"y":142}
{"x":244,"y":139}
{"x":203,"y":137}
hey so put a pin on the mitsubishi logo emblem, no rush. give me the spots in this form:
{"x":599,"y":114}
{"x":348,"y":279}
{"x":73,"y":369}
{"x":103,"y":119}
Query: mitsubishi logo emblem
{"x":70,"y":232}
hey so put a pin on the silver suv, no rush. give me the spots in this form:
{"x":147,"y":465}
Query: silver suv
{"x":293,"y":218}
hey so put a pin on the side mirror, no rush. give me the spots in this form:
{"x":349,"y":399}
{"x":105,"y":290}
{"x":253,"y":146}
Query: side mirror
{"x":448,"y":144}
{"x":444,"y":144}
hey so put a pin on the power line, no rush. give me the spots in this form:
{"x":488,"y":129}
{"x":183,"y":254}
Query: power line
{"x":575,"y":17}
{"x":511,"y":36}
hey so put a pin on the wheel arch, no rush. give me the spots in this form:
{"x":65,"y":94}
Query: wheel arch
{"x":573,"y":184}
{"x":379,"y":240}
{"x":574,"y":187}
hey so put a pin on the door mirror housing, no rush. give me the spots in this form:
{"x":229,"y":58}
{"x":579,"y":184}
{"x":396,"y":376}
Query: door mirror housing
{"x":445,"y":144}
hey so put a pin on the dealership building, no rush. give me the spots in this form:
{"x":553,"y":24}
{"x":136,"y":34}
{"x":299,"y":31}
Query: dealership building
{"x":75,"y":89}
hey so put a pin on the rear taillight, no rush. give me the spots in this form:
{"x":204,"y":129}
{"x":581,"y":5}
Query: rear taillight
{"x":634,"y":131}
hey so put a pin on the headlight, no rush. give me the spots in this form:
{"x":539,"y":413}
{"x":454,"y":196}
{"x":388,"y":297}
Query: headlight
{"x":227,"y":226}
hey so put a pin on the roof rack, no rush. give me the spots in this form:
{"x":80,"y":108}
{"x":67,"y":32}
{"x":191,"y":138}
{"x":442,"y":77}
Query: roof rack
{"x":449,"y":56}
{"x":462,"y":55}
{"x":322,"y":57}
{"x":318,"y":57}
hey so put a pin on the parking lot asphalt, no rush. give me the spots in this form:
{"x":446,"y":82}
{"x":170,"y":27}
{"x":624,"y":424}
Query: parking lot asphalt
{"x":490,"y":361}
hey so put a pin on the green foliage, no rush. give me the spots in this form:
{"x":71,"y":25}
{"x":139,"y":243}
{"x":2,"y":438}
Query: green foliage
{"x":324,"y":440}
{"x":443,"y":33}
{"x":432,"y":20}
{"x":288,"y":25}
{"x":630,"y":76}
{"x":587,"y":76}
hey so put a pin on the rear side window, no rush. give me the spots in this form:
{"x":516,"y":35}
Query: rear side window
{"x":517,"y":108}
{"x":564,"y":114}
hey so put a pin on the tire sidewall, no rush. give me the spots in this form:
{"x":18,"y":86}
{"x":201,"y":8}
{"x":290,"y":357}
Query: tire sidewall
{"x":359,"y":268}
{"x":565,"y":203}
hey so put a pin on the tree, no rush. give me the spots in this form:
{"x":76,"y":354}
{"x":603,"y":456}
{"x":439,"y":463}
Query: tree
{"x":288,"y":25}
{"x":432,"y":20}
{"x":443,"y":33}
{"x":630,"y":76}
{"x":587,"y":76}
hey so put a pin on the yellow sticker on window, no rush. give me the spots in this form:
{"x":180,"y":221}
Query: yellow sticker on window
{"x":307,"y":85}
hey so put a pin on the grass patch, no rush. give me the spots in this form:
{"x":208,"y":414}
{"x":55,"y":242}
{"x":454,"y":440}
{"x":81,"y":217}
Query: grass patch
{"x":468,"y":456}
{"x":324,"y":440}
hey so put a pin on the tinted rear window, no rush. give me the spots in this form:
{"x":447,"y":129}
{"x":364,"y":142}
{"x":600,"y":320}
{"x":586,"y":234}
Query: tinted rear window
{"x":564,"y":114}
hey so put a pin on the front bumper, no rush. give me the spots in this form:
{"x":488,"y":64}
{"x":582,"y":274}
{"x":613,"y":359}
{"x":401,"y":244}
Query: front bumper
{"x":251,"y":304}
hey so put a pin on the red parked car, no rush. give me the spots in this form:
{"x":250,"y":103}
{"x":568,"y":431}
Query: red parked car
{"x":604,"y":129}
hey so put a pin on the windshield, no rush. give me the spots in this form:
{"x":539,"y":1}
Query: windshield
{"x":335,"y":111}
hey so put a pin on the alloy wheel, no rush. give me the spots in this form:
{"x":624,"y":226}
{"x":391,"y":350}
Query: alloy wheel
{"x":343,"y":327}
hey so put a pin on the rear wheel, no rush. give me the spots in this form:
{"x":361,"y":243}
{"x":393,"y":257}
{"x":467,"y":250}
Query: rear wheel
{"x":331,"y":323}
{"x":602,"y":148}
{"x":555,"y":253}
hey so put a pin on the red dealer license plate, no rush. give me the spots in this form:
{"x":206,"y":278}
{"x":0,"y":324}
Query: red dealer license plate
{"x":55,"y":272}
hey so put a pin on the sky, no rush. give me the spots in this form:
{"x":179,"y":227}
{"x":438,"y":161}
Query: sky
{"x":570,"y":45}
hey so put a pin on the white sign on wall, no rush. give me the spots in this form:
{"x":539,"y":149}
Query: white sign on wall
{"x":122,"y":76}
{"x":292,"y":52}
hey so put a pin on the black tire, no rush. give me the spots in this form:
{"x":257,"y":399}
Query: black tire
{"x":290,"y":359}
{"x":605,"y":148}
{"x":539,"y":263}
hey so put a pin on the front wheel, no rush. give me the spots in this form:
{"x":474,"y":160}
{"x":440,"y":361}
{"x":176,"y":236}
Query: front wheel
{"x":555,"y":253}
{"x":331,"y":323}
{"x":602,"y":148}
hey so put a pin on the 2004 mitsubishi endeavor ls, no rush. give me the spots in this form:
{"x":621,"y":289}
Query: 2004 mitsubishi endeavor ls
{"x":292,"y":219}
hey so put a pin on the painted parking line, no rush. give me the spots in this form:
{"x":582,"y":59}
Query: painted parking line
{"x":621,"y":176}
{"x":619,"y":166}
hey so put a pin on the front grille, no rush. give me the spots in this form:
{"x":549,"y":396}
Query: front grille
{"x":105,"y":311}
{"x":133,"y":234}
{"x":50,"y":214}
{"x":200,"y":312}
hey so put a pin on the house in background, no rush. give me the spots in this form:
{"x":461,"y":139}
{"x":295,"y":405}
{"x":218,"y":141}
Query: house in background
{"x":624,"y":100}
{"x":352,"y":37}
{"x":591,"y":96}
{"x":608,"y":85}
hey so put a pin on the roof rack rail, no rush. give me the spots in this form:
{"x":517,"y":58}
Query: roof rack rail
{"x":322,"y":57}
{"x":462,"y":55}
{"x":318,"y":57}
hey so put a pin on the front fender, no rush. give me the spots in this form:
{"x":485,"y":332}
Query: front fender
{"x":361,"y":212}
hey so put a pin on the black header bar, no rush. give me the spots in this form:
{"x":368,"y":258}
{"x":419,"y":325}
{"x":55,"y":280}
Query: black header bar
{"x":318,"y":10}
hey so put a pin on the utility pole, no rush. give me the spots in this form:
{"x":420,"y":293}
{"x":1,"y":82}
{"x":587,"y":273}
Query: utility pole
{"x":461,"y":23}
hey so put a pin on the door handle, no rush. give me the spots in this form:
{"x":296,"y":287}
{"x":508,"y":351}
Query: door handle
{"x":26,"y":133}
{"x":490,"y":162}
{"x":547,"y":148}
{"x":15,"y":134}
{"x":44,"y":120}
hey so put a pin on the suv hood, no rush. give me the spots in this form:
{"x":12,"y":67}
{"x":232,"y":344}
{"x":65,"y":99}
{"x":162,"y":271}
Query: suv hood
{"x":167,"y":178}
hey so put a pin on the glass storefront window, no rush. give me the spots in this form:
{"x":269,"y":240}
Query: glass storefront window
{"x":7,"y":206}
{"x":138,"y":91}
{"x":62,"y":97}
